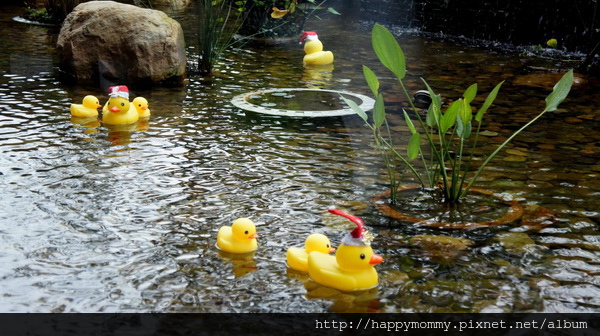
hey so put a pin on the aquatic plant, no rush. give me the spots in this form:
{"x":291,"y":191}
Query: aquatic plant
{"x":447,"y":133}
{"x":281,"y":18}
{"x":52,"y":11}
{"x":219,"y":21}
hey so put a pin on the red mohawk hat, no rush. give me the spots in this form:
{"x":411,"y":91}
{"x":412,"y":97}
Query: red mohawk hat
{"x":311,"y":35}
{"x":119,"y":91}
{"x":356,"y":237}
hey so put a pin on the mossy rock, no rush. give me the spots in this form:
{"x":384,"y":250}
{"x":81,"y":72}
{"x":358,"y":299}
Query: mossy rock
{"x":516,"y":241}
{"x":441,"y":249}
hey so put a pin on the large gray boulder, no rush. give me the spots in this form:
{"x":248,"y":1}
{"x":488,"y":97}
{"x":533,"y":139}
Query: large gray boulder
{"x":119,"y":43}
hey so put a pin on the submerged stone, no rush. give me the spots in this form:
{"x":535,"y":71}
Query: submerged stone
{"x":515,"y":240}
{"x":442,"y":249}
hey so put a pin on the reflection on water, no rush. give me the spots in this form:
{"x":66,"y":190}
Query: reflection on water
{"x":95,"y":219}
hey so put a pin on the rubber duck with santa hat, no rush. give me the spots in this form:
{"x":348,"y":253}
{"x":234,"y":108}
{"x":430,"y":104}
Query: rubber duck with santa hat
{"x":314,"y":50}
{"x":352,"y":267}
{"x":118,"y":110}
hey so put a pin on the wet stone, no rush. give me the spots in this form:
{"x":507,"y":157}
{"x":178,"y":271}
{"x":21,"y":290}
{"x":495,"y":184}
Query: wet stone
{"x":515,"y":158}
{"x":573,"y":120}
{"x":442,"y":249}
{"x":488,"y":133}
{"x":517,"y":241}
{"x":543,"y":176}
{"x":537,"y":217}
{"x":516,"y":152}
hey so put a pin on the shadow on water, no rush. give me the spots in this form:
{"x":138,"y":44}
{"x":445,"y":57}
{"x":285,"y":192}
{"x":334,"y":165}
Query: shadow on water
{"x":101,"y":220}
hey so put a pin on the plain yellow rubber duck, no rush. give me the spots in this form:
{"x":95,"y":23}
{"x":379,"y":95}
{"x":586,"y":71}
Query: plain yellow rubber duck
{"x":141,"y":106}
{"x":314,"y":50}
{"x":240,"y":237}
{"x":351,"y":269}
{"x":88,"y":108}
{"x":118,"y":110}
{"x":297,"y":258}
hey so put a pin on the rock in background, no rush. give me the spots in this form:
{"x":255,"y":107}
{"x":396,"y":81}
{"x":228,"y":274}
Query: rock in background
{"x":119,"y":43}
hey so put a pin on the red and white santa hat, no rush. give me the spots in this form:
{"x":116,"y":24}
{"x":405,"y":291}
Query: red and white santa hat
{"x":119,"y":91}
{"x":308,"y":35}
{"x":356,"y":237}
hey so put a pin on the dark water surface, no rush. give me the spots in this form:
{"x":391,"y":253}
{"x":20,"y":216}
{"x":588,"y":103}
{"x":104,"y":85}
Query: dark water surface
{"x":101,"y":220}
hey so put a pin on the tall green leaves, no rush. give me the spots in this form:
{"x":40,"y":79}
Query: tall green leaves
{"x":444,"y":165}
{"x":488,"y":102}
{"x":388,"y":50}
{"x":559,"y":92}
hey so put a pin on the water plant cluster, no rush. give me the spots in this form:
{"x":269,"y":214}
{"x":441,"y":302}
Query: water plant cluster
{"x":448,"y":130}
{"x":222,"y":23}
{"x":51,"y":11}
{"x":280,"y":18}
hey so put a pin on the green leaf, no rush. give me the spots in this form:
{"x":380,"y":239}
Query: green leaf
{"x":355,"y":108}
{"x":463,"y":129}
{"x":559,"y":92}
{"x":488,"y":102}
{"x":379,"y":111}
{"x":388,"y":50}
{"x":414,"y":145}
{"x":409,"y":123}
{"x":449,"y":117}
{"x":333,"y":11}
{"x":435,"y":108}
{"x":466,"y":114}
{"x":470,"y":93}
{"x":430,"y":119}
{"x":372,"y":80}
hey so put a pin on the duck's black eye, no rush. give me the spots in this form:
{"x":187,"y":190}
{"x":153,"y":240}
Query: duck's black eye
{"x":327,"y":245}
{"x":246,"y":232}
{"x":122,"y":104}
{"x":362,"y":256}
{"x":140,"y":105}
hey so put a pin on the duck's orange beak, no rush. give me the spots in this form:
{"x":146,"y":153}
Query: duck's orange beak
{"x":252,"y":236}
{"x":115,"y":109}
{"x":144,"y":107}
{"x":375,"y":259}
{"x":98,"y":106}
{"x":331,"y":249}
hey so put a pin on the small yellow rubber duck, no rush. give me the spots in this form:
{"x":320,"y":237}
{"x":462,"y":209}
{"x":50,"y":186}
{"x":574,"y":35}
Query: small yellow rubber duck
{"x":240,"y":237}
{"x":88,"y":108}
{"x":118,"y":110}
{"x":141,"y":106}
{"x":351,"y":269}
{"x":297,"y":258}
{"x":314,"y":50}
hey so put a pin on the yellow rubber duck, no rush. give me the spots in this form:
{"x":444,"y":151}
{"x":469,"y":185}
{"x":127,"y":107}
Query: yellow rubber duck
{"x":240,"y":237}
{"x":314,"y":50}
{"x":351,"y":269}
{"x":118,"y":110}
{"x":297,"y":258}
{"x":141,"y":106}
{"x":88,"y":108}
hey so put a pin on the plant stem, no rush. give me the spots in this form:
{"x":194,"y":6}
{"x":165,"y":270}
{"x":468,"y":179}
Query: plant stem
{"x":489,"y":158}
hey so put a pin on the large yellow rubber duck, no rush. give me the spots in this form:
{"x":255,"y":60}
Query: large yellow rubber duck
{"x":351,"y":269}
{"x":88,"y":108}
{"x":314,"y":50}
{"x":240,"y":237}
{"x":297,"y":258}
{"x":141,"y":106}
{"x":118,"y":110}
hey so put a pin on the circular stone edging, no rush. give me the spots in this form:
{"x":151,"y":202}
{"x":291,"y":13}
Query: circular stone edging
{"x":241,"y":101}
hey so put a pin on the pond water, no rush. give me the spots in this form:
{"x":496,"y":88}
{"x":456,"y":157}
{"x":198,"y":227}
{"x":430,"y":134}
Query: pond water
{"x":101,"y":220}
